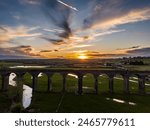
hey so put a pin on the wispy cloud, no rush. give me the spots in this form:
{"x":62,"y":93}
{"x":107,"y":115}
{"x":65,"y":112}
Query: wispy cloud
{"x":76,"y":41}
{"x":61,"y":20}
{"x":30,"y":2}
{"x":103,"y":33}
{"x":11,"y":33}
{"x":54,"y":30}
{"x":129,"y":48}
{"x":2,"y":29}
{"x":33,"y":28}
{"x":67,"y":5}
{"x":139,"y":51}
{"x":108,"y":32}
{"x":108,"y":14}
{"x":82,"y":46}
{"x":17,"y":17}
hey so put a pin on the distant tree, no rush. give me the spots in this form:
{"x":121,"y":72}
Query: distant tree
{"x":136,"y":62}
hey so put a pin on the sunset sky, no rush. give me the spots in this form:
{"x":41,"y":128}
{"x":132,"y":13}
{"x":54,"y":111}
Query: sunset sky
{"x":77,"y":29}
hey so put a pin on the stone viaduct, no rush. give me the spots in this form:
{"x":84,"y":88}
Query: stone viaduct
{"x":80,"y":73}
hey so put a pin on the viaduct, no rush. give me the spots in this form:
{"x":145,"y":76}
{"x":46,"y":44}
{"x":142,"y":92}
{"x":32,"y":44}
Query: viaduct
{"x":80,"y":73}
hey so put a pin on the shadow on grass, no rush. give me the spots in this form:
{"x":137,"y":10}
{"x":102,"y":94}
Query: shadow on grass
{"x":6,"y":99}
{"x":104,"y":102}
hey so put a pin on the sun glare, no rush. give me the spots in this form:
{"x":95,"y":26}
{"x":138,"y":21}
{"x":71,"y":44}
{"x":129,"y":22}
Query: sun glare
{"x":82,"y":57}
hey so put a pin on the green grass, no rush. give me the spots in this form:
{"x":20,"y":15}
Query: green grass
{"x":45,"y":102}
{"x":9,"y":98}
{"x":70,"y":101}
{"x":88,"y":102}
{"x":138,"y":67}
{"x":7,"y":64}
{"x":6,"y":99}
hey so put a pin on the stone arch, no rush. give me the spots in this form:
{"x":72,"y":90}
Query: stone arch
{"x":133,"y":83}
{"x":118,"y":83}
{"x":88,"y":83}
{"x":71,"y":82}
{"x":147,"y":84}
{"x":27,"y":79}
{"x":42,"y":82}
{"x":103,"y":82}
{"x":57,"y":82}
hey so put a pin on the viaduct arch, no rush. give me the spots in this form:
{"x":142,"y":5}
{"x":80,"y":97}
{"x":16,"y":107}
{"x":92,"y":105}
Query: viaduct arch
{"x":80,"y":73}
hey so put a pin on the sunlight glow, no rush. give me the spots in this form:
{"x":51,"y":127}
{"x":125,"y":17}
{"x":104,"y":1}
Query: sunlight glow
{"x":82,"y":57}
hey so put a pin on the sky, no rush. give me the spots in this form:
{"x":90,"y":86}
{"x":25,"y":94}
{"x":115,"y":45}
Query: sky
{"x":76,"y":29}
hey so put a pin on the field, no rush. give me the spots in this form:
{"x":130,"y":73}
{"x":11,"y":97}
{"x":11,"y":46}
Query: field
{"x":56,"y":101}
{"x":70,"y":101}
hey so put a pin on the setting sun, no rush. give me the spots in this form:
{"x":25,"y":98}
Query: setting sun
{"x":83,"y":57}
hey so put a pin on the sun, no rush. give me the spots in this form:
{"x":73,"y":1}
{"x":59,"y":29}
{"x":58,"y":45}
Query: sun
{"x":82,"y":57}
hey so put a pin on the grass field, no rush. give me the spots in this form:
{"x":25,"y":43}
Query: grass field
{"x":56,"y":101}
{"x":70,"y":101}
{"x":138,"y":67}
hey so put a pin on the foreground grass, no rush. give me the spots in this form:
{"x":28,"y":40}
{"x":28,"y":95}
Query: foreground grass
{"x":7,"y":99}
{"x":11,"y":100}
{"x":44,"y":102}
{"x":70,"y":101}
{"x":56,"y":101}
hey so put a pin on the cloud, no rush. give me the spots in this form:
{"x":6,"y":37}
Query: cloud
{"x":96,"y":54}
{"x":56,"y":50}
{"x":132,"y":51}
{"x":45,"y":51}
{"x":2,"y":29}
{"x":48,"y":51}
{"x":61,"y":19}
{"x":30,"y":2}
{"x":16,"y":17}
{"x":140,"y":51}
{"x":107,"y":14}
{"x":129,"y":48}
{"x":106,"y":33}
{"x":19,"y":51}
{"x":54,"y":30}
{"x":74,"y":41}
{"x":67,"y":5}
{"x":64,"y":34}
{"x":8,"y":34}
{"x":54,"y":41}
{"x":105,"y":55}
{"x":82,"y":46}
